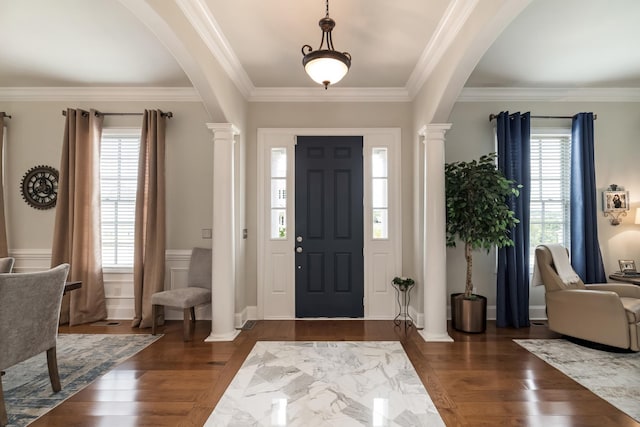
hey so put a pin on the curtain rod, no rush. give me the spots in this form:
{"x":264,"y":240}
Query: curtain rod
{"x":3,"y":114}
{"x":493,"y":116}
{"x":168,"y":114}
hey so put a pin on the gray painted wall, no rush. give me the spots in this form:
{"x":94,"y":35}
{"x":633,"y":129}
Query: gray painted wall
{"x":616,"y":152}
{"x":34,"y":137}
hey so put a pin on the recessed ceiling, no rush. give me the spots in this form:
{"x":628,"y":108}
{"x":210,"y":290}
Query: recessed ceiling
{"x":93,"y":43}
{"x":385,"y":39}
{"x":80,"y":43}
{"x":566,"y":44}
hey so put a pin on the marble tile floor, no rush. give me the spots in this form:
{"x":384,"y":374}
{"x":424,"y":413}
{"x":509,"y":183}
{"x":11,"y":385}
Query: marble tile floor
{"x":318,"y":384}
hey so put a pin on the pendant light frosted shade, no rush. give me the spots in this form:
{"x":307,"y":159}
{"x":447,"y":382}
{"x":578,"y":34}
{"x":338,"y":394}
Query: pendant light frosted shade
{"x":326,"y":70}
{"x":325,"y":66}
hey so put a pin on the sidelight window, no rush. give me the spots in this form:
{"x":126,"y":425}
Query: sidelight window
{"x":279,"y":193}
{"x":379,"y":188}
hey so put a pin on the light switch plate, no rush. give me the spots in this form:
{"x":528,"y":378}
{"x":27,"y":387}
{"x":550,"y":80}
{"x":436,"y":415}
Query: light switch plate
{"x":206,"y":233}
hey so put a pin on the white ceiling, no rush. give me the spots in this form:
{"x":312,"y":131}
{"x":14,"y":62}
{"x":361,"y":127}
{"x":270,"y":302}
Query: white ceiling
{"x":80,"y":43}
{"x":566,"y":43}
{"x":99,"y":43}
{"x":384,"y":39}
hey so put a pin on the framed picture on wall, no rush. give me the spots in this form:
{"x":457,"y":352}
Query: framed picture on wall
{"x":615,"y":200}
{"x":627,"y":265}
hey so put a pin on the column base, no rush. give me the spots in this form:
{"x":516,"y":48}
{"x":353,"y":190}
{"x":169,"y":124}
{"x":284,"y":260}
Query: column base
{"x":431,"y":337}
{"x":230,"y":336}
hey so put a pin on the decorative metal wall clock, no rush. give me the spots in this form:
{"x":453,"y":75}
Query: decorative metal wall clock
{"x":40,"y":187}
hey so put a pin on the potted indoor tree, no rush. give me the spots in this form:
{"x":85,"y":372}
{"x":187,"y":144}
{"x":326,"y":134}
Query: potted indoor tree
{"x":478,"y":215}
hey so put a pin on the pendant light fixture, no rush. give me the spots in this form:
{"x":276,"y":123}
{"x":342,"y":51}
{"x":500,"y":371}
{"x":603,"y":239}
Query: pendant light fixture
{"x":325,"y":66}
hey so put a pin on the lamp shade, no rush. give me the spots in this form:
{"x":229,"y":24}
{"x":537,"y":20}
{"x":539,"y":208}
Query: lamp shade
{"x":638,"y":216}
{"x":325,"y":69}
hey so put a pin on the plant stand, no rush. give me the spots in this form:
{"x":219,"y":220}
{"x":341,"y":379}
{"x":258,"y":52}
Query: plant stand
{"x":403,"y":295}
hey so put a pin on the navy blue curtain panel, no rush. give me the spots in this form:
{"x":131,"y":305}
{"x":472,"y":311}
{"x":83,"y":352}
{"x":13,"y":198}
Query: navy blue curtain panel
{"x":586,"y":258}
{"x":514,"y":160}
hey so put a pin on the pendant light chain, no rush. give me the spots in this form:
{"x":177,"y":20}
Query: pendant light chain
{"x":327,"y":3}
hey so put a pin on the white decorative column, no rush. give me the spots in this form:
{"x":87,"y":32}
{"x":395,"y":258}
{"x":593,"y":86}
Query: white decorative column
{"x":223,"y":230}
{"x":434,"y":260}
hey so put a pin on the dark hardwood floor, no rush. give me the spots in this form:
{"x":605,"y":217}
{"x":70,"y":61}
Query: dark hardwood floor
{"x":478,"y":380}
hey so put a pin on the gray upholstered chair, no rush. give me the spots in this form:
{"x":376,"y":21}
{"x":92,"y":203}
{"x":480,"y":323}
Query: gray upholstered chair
{"x":197,"y":292}
{"x":29,"y":315}
{"x":6,"y":264}
{"x":606,"y":313}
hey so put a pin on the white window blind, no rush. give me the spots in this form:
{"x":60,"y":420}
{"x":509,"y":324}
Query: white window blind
{"x":118,"y":182}
{"x":550,"y":189}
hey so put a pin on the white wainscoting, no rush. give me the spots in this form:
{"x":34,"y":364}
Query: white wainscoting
{"x":119,"y":288}
{"x":118,"y":283}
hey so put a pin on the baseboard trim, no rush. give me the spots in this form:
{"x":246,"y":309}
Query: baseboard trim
{"x":536,"y":312}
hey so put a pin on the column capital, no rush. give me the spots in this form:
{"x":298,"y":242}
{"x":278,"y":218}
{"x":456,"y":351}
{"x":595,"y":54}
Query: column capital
{"x":434,"y":131}
{"x":222,"y":130}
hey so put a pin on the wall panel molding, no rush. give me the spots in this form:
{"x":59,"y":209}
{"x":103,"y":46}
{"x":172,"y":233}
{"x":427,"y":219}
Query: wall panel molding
{"x":118,"y":283}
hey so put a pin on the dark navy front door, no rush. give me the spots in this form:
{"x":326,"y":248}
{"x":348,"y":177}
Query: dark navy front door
{"x":329,"y":227}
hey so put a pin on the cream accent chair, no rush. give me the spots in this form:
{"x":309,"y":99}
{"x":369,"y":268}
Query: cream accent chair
{"x":607,"y":313}
{"x":29,"y":315}
{"x":197,"y":292}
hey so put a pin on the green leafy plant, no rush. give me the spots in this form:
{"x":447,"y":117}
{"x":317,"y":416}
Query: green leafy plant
{"x":477,"y":210}
{"x":403,"y":283}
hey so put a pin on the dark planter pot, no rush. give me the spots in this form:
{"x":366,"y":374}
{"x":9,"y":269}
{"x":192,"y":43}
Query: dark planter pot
{"x":469,"y":315}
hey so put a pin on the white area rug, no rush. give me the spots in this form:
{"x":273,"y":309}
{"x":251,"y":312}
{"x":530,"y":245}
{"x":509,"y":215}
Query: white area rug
{"x":615,"y":377}
{"x":326,"y":384}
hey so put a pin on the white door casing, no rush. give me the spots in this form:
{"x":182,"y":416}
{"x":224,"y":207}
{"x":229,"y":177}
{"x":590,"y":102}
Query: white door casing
{"x":276,"y":259}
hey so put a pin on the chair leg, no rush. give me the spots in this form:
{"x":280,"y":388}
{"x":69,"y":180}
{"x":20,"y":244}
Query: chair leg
{"x":154,"y":318}
{"x":52,"y":364}
{"x":193,"y":314}
{"x":186,"y":333}
{"x":4,"y":419}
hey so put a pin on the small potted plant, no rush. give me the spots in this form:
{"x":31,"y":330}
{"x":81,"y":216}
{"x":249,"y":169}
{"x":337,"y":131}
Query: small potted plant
{"x":478,"y":215}
{"x":403,"y":283}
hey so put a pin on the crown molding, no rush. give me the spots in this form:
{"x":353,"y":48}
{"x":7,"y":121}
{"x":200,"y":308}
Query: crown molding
{"x":478,"y":94}
{"x":104,"y":94}
{"x":300,"y":94}
{"x":334,"y":94}
{"x":448,"y":28}
{"x":199,"y":15}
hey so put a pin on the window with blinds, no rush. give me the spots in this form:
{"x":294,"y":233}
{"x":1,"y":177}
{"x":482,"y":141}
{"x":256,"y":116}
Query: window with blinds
{"x":118,"y":182}
{"x":550,"y":189}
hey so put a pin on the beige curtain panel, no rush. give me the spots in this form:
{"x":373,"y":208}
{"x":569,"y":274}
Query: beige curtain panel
{"x":76,"y":237}
{"x":4,"y":250}
{"x":150,"y":233}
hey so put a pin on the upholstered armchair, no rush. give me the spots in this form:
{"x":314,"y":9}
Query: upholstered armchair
{"x":607,"y":313}
{"x":29,"y":314}
{"x":6,"y":264}
{"x":197,"y":292}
